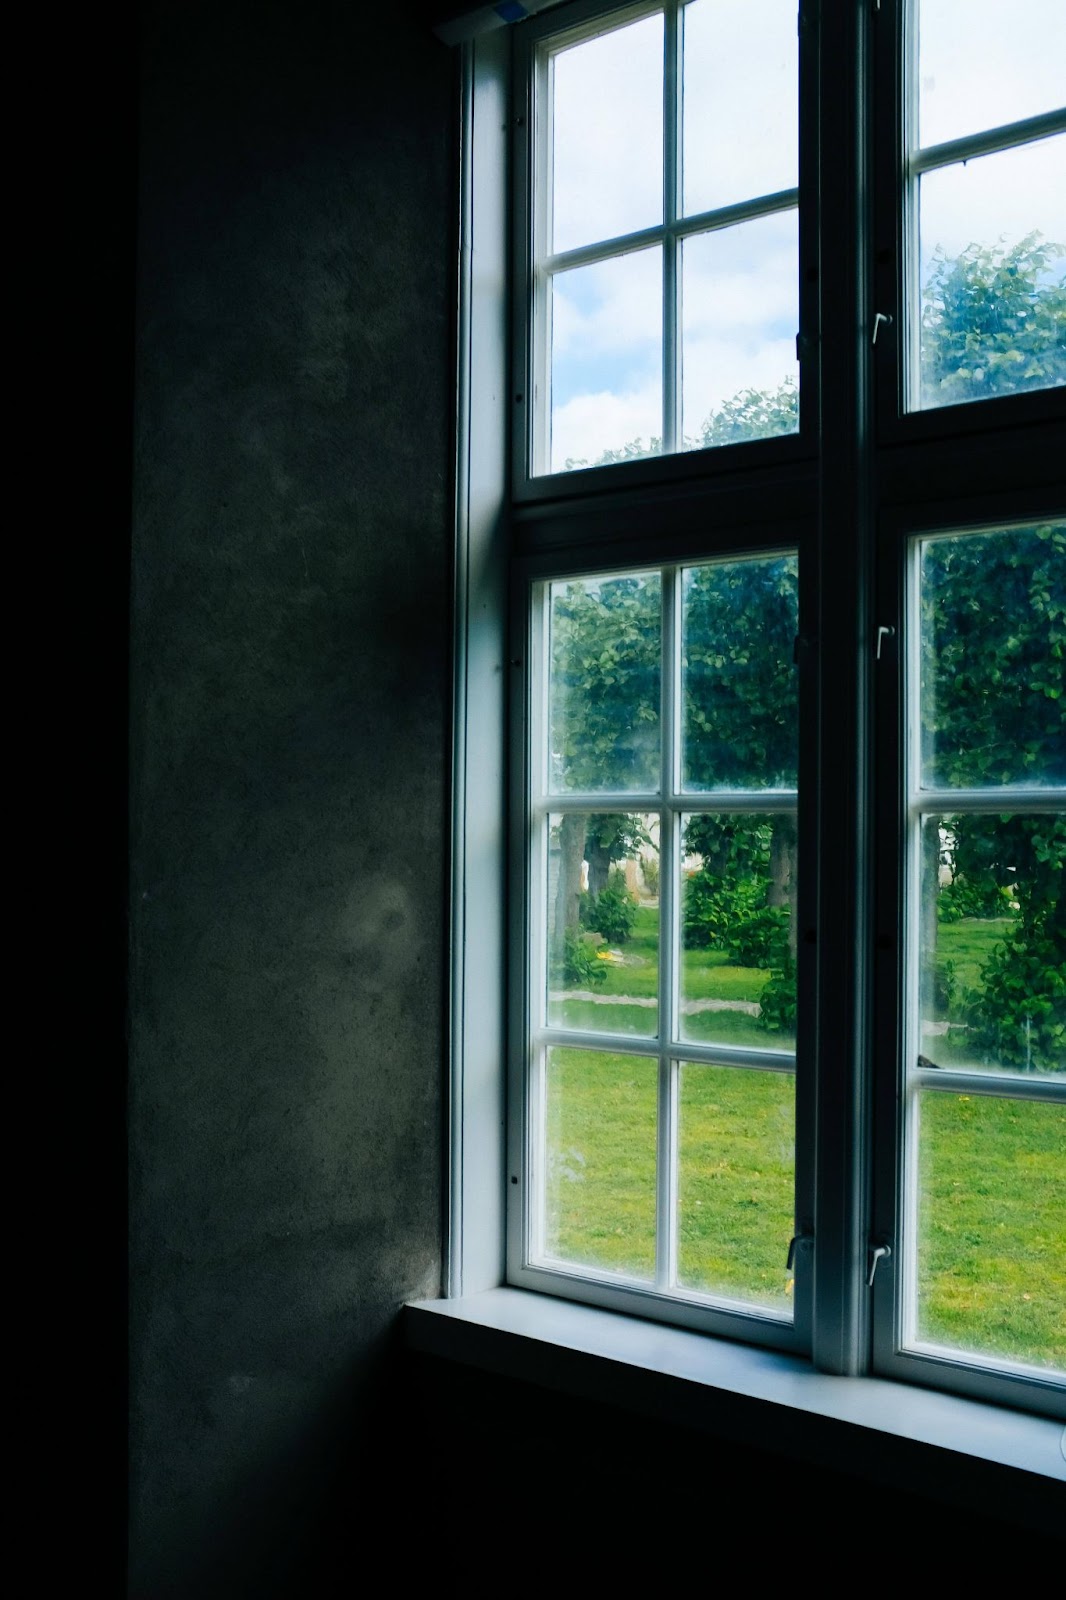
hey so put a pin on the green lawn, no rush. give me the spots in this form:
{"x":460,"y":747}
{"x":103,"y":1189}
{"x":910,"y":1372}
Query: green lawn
{"x":992,"y":1230}
{"x":992,"y":1245}
{"x":706,"y":975}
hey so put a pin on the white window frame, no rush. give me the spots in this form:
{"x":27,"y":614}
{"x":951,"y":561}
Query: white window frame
{"x":852,"y":526}
{"x":528,"y":1263}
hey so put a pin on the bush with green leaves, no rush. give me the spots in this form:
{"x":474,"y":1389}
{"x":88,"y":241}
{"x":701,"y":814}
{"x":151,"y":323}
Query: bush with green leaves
{"x":966,"y":897}
{"x":726,"y":903}
{"x":759,"y":939}
{"x":715,"y":910}
{"x":777,"y":1001}
{"x":1019,"y":1018}
{"x":580,"y":963}
{"x":613,"y":911}
{"x":1018,"y":1015}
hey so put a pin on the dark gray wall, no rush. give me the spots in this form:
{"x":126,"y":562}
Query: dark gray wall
{"x":289,"y":683}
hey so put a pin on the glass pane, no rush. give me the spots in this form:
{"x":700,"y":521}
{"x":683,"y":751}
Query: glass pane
{"x":603,"y":923}
{"x":739,"y":326}
{"x":991,"y":1230}
{"x":993,"y":275}
{"x":599,"y":1186}
{"x":607,"y":135}
{"x":606,"y":361}
{"x":736,"y":1184}
{"x":739,"y":625}
{"x":738,"y":929}
{"x":741,"y":101}
{"x":603,"y":717}
{"x":993,"y":634}
{"x":992,"y":942}
{"x":975,"y":72}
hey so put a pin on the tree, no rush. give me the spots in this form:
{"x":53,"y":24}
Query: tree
{"x":993,"y":651}
{"x":993,"y":322}
{"x":604,"y":717}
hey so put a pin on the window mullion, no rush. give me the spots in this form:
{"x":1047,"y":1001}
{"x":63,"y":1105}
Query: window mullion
{"x":908,"y":315}
{"x":840,"y":1298}
{"x":672,"y":37}
{"x":669,"y":828}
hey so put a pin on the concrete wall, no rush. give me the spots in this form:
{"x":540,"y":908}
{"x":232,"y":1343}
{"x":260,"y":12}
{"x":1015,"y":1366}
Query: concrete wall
{"x":289,"y":684}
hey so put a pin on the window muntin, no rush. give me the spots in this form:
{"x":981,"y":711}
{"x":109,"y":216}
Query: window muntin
{"x":665,"y":921}
{"x":625,"y":367}
{"x":985,"y":1047}
{"x":985,"y":202}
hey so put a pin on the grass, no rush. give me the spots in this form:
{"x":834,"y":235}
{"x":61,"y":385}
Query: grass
{"x":705,"y":975}
{"x":991,"y":1255}
{"x":992,"y":1230}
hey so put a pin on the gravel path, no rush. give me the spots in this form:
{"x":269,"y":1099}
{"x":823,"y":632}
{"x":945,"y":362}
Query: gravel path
{"x":751,"y":1008}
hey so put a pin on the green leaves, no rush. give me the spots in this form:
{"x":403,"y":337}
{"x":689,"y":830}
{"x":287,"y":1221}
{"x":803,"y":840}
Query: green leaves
{"x":993,"y":641}
{"x":993,"y":322}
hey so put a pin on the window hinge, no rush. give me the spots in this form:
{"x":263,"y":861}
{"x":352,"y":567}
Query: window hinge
{"x":878,"y":1253}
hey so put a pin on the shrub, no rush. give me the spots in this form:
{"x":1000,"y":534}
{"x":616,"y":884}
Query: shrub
{"x":613,"y":911}
{"x":580,"y":963}
{"x":1019,"y":1017}
{"x":963,"y":897}
{"x":714,"y":909}
{"x":759,"y":939}
{"x":777,"y":1002}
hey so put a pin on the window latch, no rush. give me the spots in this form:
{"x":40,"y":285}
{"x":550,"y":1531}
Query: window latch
{"x":793,"y":1243}
{"x":881,"y":316}
{"x":882,"y":634}
{"x":878,"y":1253}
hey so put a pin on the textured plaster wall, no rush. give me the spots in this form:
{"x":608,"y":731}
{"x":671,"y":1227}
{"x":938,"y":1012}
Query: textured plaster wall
{"x":289,"y":689}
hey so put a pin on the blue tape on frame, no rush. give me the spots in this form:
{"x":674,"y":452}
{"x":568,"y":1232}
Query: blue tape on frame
{"x":511,"y":11}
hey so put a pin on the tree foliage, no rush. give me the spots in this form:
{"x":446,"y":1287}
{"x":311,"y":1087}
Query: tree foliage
{"x":993,"y":321}
{"x":993,"y":649}
{"x":993,"y":710}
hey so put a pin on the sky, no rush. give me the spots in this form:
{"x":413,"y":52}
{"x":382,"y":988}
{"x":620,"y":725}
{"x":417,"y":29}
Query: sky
{"x":981,"y":63}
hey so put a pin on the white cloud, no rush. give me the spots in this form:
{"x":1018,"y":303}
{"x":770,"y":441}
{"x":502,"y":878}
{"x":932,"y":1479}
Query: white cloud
{"x":741,"y":100}
{"x":716,"y":369}
{"x":743,"y":277}
{"x":612,"y":306}
{"x":589,"y":424}
{"x":608,"y":135}
{"x":986,"y":62}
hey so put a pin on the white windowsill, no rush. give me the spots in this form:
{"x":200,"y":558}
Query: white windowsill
{"x":904,"y":1436}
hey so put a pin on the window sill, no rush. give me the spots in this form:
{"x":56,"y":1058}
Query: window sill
{"x":942,"y":1446}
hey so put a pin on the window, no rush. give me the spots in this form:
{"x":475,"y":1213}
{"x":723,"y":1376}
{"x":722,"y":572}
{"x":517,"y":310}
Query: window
{"x":664,"y":272}
{"x":763,"y":502}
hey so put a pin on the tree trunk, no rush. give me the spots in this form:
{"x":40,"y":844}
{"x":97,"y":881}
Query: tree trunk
{"x":599,"y":860}
{"x":782,"y":887}
{"x":928,"y":890}
{"x":568,"y":892}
